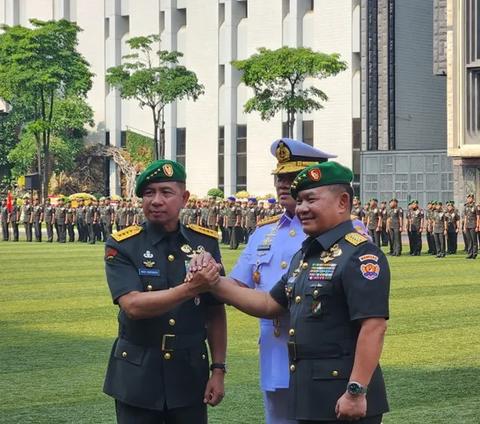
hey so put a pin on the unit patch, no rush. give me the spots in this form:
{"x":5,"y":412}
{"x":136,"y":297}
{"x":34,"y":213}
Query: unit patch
{"x":321,"y":272}
{"x":370,"y":271}
{"x":316,"y":307}
{"x":110,"y":253}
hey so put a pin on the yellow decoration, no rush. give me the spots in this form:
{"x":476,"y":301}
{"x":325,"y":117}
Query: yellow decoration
{"x":127,"y":233}
{"x":355,"y":238}
{"x":268,"y":220}
{"x":21,"y":181}
{"x":204,"y":231}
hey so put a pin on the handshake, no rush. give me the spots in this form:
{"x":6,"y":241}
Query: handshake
{"x":203,"y":274}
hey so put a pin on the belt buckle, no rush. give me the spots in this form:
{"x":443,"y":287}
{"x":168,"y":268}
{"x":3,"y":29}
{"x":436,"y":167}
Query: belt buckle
{"x":168,"y":342}
{"x":292,"y":350}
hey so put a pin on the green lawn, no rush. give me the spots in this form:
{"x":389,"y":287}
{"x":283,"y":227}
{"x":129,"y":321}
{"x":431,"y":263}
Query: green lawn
{"x":57,"y":324}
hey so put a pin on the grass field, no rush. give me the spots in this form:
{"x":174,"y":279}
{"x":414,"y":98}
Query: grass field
{"x":57,"y":324}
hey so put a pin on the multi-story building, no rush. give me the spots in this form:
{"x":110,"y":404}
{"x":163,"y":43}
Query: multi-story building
{"x":459,"y":38}
{"x":219,"y":144}
{"x":404,"y":107}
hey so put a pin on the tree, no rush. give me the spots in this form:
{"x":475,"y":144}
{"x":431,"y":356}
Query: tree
{"x":38,"y":67}
{"x":155,"y":80}
{"x":277,"y":77}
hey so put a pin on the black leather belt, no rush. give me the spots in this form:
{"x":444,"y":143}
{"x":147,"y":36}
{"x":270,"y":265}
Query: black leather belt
{"x":171,"y":342}
{"x":332,"y":350}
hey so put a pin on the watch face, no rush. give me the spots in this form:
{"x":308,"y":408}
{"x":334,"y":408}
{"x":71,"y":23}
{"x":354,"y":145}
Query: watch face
{"x":354,"y":389}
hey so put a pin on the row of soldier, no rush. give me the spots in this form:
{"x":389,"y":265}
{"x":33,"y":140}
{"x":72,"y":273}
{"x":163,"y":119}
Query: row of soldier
{"x":94,"y":220}
{"x":236,"y":219}
{"x":441,"y":225}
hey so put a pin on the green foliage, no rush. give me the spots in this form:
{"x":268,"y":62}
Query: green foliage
{"x":7,"y":143}
{"x":154,"y":79}
{"x":276,"y":77}
{"x":38,"y":66}
{"x":70,"y":116}
{"x":215,"y":192}
{"x":140,"y":148}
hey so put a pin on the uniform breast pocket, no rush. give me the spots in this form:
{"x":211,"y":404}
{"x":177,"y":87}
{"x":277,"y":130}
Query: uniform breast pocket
{"x":319,"y":297}
{"x":154,"y":283}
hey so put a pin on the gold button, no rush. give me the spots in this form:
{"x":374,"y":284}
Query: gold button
{"x":149,"y":288}
{"x":284,"y":265}
{"x":171,"y":258}
{"x":298,"y":299}
{"x":167,"y":356}
{"x":276,"y":333}
{"x":292,"y":233}
{"x":335,"y":373}
{"x":315,"y":292}
{"x":304,"y":265}
{"x":171,"y":322}
{"x":292,"y":368}
{"x":124,"y":354}
{"x":203,"y":356}
{"x":292,"y":332}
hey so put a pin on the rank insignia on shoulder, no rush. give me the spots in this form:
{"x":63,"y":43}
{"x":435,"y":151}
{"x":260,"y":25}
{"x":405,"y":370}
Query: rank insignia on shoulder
{"x":127,"y":233}
{"x":355,"y":238}
{"x":202,"y":230}
{"x":268,"y":220}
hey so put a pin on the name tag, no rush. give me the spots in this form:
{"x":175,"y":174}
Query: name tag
{"x":264,"y":247}
{"x":149,"y":272}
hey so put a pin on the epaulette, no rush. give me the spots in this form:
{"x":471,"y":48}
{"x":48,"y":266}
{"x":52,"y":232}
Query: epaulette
{"x":202,"y":230}
{"x":126,"y":233}
{"x":355,"y":238}
{"x":268,"y":220}
{"x":353,"y":217}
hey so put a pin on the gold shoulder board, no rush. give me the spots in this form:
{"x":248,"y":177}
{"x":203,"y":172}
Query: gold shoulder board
{"x":127,"y":233}
{"x":353,"y":217}
{"x":202,"y":230}
{"x":355,"y":238}
{"x":268,"y":220}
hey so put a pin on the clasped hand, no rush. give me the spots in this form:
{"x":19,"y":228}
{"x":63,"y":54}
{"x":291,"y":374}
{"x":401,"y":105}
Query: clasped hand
{"x":203,"y":274}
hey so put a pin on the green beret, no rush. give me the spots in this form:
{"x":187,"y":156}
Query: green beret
{"x":439,"y":203}
{"x":394,"y":200}
{"x":470,"y":195}
{"x":357,"y":198}
{"x":414,"y":201}
{"x":410,"y":202}
{"x":319,"y":175}
{"x":374,"y":199}
{"x":160,"y":171}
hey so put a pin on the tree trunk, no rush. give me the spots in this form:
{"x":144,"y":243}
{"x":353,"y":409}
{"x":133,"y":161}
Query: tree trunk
{"x":162,"y":134}
{"x":291,"y":123}
{"x":155,"y":135}
{"x":39,"y":164}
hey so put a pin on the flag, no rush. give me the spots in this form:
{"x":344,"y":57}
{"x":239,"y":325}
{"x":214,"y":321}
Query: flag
{"x":9,"y":202}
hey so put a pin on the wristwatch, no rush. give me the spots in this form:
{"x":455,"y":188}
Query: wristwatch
{"x":356,"y":389}
{"x":219,"y":366}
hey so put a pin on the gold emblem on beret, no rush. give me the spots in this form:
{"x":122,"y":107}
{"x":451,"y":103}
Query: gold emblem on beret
{"x":283,"y":152}
{"x":167,"y":170}
{"x":315,"y":174}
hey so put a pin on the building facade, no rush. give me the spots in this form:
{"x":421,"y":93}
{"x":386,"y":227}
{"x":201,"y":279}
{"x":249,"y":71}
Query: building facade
{"x":404,"y":106}
{"x":219,"y":144}
{"x":459,"y":39}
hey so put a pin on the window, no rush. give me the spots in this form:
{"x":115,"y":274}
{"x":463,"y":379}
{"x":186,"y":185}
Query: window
{"x":241,"y":157}
{"x":123,"y":140}
{"x":107,"y":138}
{"x":311,"y":4}
{"x":307,"y":130}
{"x":472,"y":59}
{"x":284,"y":130}
{"x":181,"y":145}
{"x":221,"y":158}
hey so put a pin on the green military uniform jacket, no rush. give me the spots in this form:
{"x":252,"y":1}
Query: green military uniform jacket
{"x":334,"y":281}
{"x":163,"y":360}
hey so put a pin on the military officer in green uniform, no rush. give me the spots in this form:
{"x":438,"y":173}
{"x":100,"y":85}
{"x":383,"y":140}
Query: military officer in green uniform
{"x":439,"y":229}
{"x":337,"y":291}
{"x":81,"y":225}
{"x":159,"y":367}
{"x":27,"y":212}
{"x":60,"y":221}
{"x":395,"y":227}
{"x":357,"y":209}
{"x":91,"y":219}
{"x":428,"y":220}
{"x":5,"y":219}
{"x":70,"y":219}
{"x":108,"y":218}
{"x":383,"y":209}
{"x":121,"y":214}
{"x":453,"y":227}
{"x":234,"y":217}
{"x":140,"y":217}
{"x":471,"y":225}
{"x":49,"y":218}
{"x":415,"y":224}
{"x":15,"y":219}
{"x":37,"y":219}
{"x":374,"y":221}
{"x":213,"y":211}
{"x":251,"y":217}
